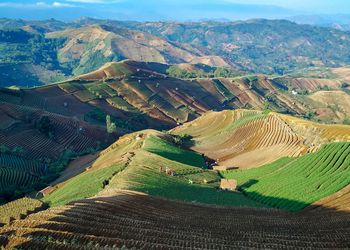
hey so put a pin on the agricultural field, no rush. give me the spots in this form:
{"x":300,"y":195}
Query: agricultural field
{"x":172,"y":135}
{"x":149,"y":90}
{"x":134,"y":220}
{"x":153,"y":179}
{"x":84,"y":185}
{"x":36,"y":143}
{"x":134,"y":164}
{"x":338,"y":201}
{"x":19,"y":209}
{"x":294,"y":183}
{"x":247,"y":139}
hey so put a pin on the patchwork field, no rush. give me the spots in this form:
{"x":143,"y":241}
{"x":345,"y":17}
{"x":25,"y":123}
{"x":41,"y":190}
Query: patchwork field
{"x":160,"y":194}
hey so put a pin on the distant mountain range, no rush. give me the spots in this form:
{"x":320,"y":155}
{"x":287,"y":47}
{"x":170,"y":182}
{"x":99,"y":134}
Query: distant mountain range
{"x":39,"y":52}
{"x":337,"y":21}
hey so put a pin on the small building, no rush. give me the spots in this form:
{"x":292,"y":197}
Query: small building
{"x":228,"y":184}
{"x":46,"y":191}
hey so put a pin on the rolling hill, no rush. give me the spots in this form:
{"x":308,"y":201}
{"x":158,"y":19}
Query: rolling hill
{"x":37,"y":139}
{"x":140,"y":95}
{"x":48,"y":51}
{"x":129,"y":195}
{"x":134,"y":220}
{"x":149,"y":88}
{"x":245,"y":139}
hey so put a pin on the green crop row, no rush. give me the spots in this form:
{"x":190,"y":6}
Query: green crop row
{"x":294,"y":183}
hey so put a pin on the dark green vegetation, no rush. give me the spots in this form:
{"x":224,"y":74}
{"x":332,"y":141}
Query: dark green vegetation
{"x":28,"y":58}
{"x":294,"y":183}
{"x":37,"y":141}
{"x":202,"y":71}
{"x":39,"y":51}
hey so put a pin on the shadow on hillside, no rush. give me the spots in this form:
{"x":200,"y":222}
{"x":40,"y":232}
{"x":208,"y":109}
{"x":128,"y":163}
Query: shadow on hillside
{"x":273,"y":202}
{"x":247,"y":184}
{"x":140,"y":221}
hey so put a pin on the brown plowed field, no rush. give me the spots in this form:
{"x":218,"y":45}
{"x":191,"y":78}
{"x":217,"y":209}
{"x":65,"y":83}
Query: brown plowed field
{"x":135,"y":220}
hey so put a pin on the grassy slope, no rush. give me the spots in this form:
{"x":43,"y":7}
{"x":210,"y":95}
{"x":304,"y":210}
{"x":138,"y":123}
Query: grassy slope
{"x":82,"y":186}
{"x":293,"y":184}
{"x":166,"y":150}
{"x":143,"y":175}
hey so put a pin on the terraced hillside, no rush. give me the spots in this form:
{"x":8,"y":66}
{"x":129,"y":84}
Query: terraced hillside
{"x":147,"y":88}
{"x":156,"y":89}
{"x":294,"y":183}
{"x":147,"y":187}
{"x":338,"y":201}
{"x":133,"y":220}
{"x":139,"y":162}
{"x":37,"y":140}
{"x":246,"y":139}
{"x":138,"y":96}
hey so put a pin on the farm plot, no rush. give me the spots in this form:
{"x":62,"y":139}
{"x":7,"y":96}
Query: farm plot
{"x":133,"y":220}
{"x":19,"y":209}
{"x":20,"y":163}
{"x":305,"y":179}
{"x":189,"y":181}
{"x":14,"y":178}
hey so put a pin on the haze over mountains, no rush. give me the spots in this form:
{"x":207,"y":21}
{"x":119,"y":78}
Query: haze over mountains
{"x":337,"y":21}
{"x":154,"y":10}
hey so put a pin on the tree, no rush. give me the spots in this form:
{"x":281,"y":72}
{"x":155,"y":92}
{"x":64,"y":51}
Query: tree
{"x":18,"y":151}
{"x":345,"y":85}
{"x":4,"y":149}
{"x":44,"y":126}
{"x":111,"y":127}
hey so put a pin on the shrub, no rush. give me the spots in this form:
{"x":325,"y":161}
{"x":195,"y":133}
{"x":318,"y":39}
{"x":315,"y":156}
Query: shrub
{"x":111,"y":127}
{"x":45,"y":126}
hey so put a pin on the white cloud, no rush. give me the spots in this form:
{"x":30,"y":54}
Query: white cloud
{"x":59,"y":4}
{"x":87,"y":1}
{"x":95,"y":1}
{"x":38,"y":5}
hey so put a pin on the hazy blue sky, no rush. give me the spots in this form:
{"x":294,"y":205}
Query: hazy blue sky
{"x":168,"y":9}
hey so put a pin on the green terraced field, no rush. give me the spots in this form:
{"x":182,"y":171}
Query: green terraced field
{"x":192,"y":181}
{"x":84,"y":185}
{"x":167,"y":150}
{"x":294,"y":183}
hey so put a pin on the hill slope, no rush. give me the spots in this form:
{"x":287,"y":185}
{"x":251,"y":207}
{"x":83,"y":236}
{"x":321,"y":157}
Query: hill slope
{"x":245,"y":139}
{"x":49,"y":51}
{"x":135,"y":220}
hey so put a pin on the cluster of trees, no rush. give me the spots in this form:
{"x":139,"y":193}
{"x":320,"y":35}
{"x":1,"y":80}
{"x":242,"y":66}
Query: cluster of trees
{"x":111,"y":127}
{"x":19,"y":46}
{"x":45,"y":126}
{"x":183,"y":140}
{"x":175,"y":71}
{"x":19,"y":151}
